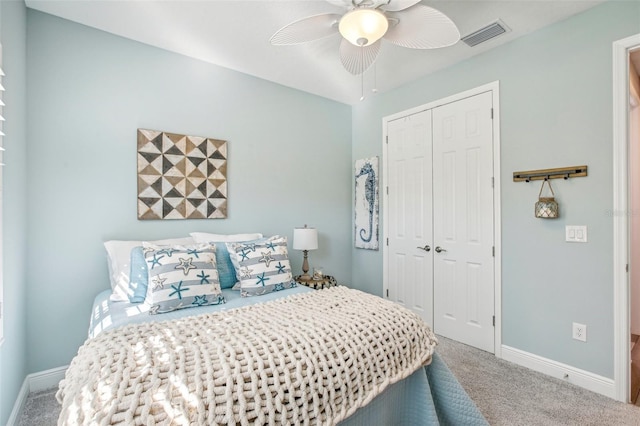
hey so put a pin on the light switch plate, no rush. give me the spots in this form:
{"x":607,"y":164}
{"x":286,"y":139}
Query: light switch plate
{"x":576,"y":233}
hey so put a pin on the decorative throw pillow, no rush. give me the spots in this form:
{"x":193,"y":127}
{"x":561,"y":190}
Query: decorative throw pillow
{"x":181,"y":277}
{"x":262,"y":266}
{"x":119,"y":257}
{"x":226,"y":270}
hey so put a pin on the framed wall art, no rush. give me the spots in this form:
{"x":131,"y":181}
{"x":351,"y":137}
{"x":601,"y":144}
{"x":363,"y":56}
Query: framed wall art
{"x":366,"y":204}
{"x":181,"y":177}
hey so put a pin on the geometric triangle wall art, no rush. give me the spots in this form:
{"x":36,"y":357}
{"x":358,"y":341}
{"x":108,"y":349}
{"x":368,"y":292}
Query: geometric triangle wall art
{"x":181,"y":177}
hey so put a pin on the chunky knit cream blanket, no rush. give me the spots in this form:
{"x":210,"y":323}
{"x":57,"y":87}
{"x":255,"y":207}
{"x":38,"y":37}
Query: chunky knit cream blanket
{"x":311,"y":358}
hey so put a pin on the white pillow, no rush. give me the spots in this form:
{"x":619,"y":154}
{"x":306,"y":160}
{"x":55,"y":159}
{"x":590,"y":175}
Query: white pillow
{"x":203,"y":237}
{"x":119,"y":259}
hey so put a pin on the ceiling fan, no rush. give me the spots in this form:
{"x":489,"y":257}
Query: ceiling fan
{"x":405,"y":23}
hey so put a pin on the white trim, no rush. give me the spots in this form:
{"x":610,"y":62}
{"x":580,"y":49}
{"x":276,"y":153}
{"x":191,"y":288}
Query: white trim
{"x":576,"y":376}
{"x":35,"y":382}
{"x":497,"y":221}
{"x":621,"y":330}
{"x":19,"y":404}
{"x":494,"y":85}
{"x":47,"y":379}
{"x":494,"y":88}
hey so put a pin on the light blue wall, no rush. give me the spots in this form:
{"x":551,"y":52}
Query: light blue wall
{"x":13,"y":367}
{"x":556,"y":103}
{"x":289,"y":164}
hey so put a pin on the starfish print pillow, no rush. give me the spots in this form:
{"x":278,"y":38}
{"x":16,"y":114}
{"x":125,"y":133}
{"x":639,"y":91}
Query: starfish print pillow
{"x":181,"y":277}
{"x":262,"y":266}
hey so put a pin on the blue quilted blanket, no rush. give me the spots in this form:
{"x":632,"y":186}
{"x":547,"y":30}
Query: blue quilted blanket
{"x":434,"y":398}
{"x":452,"y":404}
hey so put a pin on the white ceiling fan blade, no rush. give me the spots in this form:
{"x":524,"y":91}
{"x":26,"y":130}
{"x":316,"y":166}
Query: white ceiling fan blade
{"x":356,"y":59}
{"x":397,"y":5}
{"x":340,"y":3}
{"x":307,"y":29}
{"x":422,"y":27}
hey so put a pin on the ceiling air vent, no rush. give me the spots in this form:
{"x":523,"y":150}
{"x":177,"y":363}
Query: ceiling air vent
{"x":486,"y":33}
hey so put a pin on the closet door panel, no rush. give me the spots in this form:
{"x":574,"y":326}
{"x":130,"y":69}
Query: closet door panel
{"x":409,"y":163}
{"x":463,"y":221}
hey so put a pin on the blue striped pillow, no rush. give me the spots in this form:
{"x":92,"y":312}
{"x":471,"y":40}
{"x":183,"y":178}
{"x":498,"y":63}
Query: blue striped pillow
{"x":262,"y":266}
{"x":181,"y":277}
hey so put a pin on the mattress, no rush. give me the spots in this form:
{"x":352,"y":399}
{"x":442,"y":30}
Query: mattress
{"x":430,"y":396}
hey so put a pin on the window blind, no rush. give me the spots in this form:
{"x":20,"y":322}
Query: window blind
{"x":2,"y":121}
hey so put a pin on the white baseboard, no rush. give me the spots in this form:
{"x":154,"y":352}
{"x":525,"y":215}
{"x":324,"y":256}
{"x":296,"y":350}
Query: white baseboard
{"x":19,"y":404}
{"x":35,"y":382}
{"x":46,"y":379}
{"x":576,"y":376}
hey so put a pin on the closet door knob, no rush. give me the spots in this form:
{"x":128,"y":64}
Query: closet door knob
{"x":425,"y":248}
{"x":439,"y":249}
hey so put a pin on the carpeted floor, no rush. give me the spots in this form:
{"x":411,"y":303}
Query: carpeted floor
{"x":510,"y":395}
{"x":506,"y":394}
{"x":41,"y":409}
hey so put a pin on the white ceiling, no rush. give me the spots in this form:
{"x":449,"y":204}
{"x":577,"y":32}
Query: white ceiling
{"x":235,"y":34}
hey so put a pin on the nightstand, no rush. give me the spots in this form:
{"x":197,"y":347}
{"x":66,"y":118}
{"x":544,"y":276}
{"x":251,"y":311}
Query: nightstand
{"x":325,"y":282}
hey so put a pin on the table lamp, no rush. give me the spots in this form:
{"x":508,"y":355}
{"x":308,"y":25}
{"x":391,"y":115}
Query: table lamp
{"x":305,"y":239}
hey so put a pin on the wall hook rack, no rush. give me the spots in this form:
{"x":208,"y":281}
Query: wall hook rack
{"x":546,"y":174}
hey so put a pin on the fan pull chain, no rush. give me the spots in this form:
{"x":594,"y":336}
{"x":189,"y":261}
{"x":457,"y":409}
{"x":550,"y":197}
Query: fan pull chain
{"x":375,"y":78}
{"x":362,"y":72}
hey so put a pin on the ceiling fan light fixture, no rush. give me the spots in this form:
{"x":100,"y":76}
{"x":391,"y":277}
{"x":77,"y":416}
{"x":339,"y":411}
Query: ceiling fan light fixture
{"x":363,"y":27}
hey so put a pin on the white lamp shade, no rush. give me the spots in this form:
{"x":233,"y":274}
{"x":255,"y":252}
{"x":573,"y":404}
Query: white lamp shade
{"x":305,"y":238}
{"x":363,"y":27}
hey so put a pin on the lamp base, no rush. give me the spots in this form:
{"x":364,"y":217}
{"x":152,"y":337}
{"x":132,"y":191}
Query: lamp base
{"x":306,"y":278}
{"x":305,"y":265}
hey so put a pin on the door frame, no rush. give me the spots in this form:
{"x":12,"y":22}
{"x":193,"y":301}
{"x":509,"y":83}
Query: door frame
{"x":494,"y":88}
{"x":620,"y":214}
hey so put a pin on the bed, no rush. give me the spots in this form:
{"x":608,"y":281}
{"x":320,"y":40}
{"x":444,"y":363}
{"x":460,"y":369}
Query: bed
{"x":294,"y":356}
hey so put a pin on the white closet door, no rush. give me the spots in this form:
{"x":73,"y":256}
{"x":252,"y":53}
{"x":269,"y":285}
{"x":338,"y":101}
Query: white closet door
{"x":463,"y":221}
{"x":410,"y":265}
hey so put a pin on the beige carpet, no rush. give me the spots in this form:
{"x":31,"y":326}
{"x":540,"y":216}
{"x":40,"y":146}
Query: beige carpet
{"x":510,"y":395}
{"x":506,"y":394}
{"x":41,"y":409}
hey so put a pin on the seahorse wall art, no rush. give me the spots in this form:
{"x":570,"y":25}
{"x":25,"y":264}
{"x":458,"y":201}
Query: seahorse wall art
{"x":366,"y":204}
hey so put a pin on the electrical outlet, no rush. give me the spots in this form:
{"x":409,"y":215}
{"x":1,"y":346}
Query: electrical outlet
{"x":579,"y":332}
